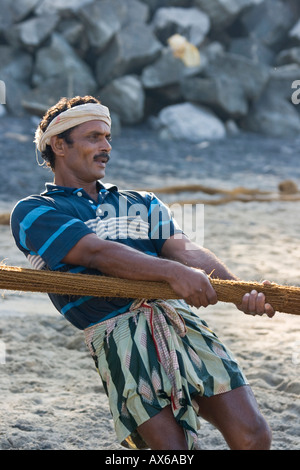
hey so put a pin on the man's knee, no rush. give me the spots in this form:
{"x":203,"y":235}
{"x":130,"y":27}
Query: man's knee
{"x":258,"y":437}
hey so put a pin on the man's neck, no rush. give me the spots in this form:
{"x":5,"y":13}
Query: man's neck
{"x":90,"y":188}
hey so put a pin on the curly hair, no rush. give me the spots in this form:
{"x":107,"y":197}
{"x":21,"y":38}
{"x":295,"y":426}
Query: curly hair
{"x":62,"y":105}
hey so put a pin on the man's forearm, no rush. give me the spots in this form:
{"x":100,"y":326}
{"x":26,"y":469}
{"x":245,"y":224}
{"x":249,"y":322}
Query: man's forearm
{"x":118,"y":260}
{"x":193,"y":255}
{"x":206,"y":260}
{"x":122,"y":261}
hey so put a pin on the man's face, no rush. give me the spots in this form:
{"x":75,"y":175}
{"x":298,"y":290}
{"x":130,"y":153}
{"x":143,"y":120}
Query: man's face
{"x":85,"y":159}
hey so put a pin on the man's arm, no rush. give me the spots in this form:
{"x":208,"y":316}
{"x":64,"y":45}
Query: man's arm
{"x":179,"y":248}
{"x":118,"y":260}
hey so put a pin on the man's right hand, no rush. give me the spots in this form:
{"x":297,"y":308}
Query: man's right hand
{"x":194,"y":286}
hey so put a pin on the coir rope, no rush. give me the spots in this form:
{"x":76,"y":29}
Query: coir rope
{"x":284,"y":299}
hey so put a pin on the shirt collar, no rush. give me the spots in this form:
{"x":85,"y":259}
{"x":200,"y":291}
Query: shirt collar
{"x":52,"y":188}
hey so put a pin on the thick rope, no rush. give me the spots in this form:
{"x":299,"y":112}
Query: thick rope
{"x":284,"y":299}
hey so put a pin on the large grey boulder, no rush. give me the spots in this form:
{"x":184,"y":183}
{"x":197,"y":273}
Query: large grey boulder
{"x":228,"y":84}
{"x":15,"y":71}
{"x":33,"y":32}
{"x":58,"y":71}
{"x":15,"y":64}
{"x":166,"y":70}
{"x":101,"y":22}
{"x":274,"y":117}
{"x":223,"y":12}
{"x":15,"y":12}
{"x":125,"y":97}
{"x":294,"y":33}
{"x":252,"y":49}
{"x":65,"y":8}
{"x":22,"y":8}
{"x":38,"y":99}
{"x":190,"y":122}
{"x":219,"y":93}
{"x":73,"y":32}
{"x":288,"y":56}
{"x":133,"y":47}
{"x":268,"y":22}
{"x":191,"y":23}
{"x":281,"y":79}
{"x":131,"y":11}
{"x":60,"y":60}
{"x":247,"y":74}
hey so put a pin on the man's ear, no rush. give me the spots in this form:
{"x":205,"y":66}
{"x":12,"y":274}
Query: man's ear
{"x":57,"y":144}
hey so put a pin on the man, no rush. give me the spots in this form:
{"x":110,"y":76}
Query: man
{"x":161,"y":366}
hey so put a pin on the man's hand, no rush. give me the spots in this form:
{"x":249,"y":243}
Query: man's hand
{"x":194,"y":286}
{"x":254,"y":303}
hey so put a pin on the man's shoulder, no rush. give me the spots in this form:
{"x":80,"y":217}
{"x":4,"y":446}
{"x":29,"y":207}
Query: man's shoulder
{"x":30,"y":203}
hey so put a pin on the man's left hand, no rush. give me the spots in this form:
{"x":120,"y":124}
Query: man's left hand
{"x":254,"y":303}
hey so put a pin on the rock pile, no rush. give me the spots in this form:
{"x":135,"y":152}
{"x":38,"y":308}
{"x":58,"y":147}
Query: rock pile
{"x":119,"y":51}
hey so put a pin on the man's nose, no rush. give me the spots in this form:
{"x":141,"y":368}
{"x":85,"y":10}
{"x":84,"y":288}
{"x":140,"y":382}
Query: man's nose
{"x":107,"y":146}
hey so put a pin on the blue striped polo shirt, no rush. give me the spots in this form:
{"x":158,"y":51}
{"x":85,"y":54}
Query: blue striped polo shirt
{"x":46,"y":226}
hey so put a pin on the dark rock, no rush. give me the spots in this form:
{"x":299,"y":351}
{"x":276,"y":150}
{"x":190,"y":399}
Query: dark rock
{"x":101,"y":22}
{"x":223,"y":14}
{"x":288,"y":56}
{"x":125,"y":97}
{"x":33,"y":32}
{"x":47,"y":93}
{"x":252,"y":49}
{"x":227,"y":84}
{"x":220,"y":93}
{"x":65,"y":8}
{"x":269,"y":22}
{"x":273,"y":116}
{"x":59,"y":60}
{"x":133,"y":48}
{"x":166,"y":70}
{"x":281,"y":79}
{"x":131,"y":11}
{"x":295,"y":32}
{"x":188,"y":22}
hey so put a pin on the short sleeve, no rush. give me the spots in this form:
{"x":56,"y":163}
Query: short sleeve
{"x":40,"y":229}
{"x":161,"y":222}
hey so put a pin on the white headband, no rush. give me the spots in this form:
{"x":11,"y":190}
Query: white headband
{"x":71,"y":118}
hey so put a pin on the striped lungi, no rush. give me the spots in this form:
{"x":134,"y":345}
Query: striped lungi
{"x":158,"y":354}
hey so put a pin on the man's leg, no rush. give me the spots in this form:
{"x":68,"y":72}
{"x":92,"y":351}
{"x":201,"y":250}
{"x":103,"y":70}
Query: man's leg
{"x":162,"y":432}
{"x":237,"y":416}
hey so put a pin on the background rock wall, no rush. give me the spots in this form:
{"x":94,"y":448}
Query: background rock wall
{"x":242,"y":59}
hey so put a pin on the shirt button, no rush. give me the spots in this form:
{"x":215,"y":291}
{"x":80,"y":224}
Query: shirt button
{"x":79,"y":194}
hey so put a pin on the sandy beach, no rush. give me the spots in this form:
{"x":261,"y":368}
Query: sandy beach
{"x":51,"y":395}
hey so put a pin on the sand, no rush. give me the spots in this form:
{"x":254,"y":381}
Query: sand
{"x":51,"y":395}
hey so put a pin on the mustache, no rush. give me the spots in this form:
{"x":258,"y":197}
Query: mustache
{"x":102,"y":155}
